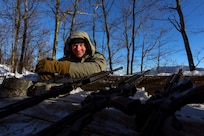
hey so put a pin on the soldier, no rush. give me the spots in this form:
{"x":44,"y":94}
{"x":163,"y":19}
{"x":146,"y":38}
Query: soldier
{"x":80,"y":59}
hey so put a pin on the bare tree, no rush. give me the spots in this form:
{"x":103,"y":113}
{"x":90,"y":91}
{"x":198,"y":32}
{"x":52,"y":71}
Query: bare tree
{"x":107,"y":34}
{"x":129,"y":42}
{"x":94,"y":22}
{"x":21,"y":62}
{"x":160,"y":48}
{"x":133,"y":35}
{"x":134,"y":17}
{"x":59,"y":17}
{"x":200,"y":56}
{"x":147,"y":48}
{"x":3,"y":42}
{"x":180,"y":26}
{"x":73,"y":17}
{"x":25,"y":34}
{"x":17,"y":22}
{"x":128,"y":46}
{"x":57,"y":23}
{"x":19,"y":37}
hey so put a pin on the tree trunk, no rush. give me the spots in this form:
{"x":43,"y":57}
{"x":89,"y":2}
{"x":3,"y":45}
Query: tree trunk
{"x":16,"y":15}
{"x":21,"y":62}
{"x":107,"y":35}
{"x":185,"y":37}
{"x":74,"y":16}
{"x":57,"y":23}
{"x":133,"y":37}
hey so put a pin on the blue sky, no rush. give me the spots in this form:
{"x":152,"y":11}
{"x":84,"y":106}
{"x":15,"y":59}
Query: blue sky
{"x":194,"y":18}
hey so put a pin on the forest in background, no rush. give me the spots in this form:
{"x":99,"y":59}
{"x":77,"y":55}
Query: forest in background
{"x":137,"y":34}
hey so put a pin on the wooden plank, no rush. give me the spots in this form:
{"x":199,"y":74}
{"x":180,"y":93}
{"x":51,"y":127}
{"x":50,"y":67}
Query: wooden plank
{"x":111,"y":122}
{"x":38,"y":117}
{"x":50,"y":110}
{"x":108,"y":122}
{"x":18,"y":125}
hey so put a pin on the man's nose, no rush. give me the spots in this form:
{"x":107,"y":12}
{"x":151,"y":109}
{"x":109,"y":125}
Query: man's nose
{"x":78,"y":47}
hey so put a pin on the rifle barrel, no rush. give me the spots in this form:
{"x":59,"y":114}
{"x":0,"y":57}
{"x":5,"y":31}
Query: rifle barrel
{"x":97,"y":76}
{"x":53,"y":92}
{"x":31,"y":101}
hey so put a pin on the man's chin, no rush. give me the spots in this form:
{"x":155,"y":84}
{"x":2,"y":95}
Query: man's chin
{"x":79,"y":56}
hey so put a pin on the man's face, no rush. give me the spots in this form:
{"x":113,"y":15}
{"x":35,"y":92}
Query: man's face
{"x":79,"y":49}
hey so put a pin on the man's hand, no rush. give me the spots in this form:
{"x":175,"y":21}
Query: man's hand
{"x":46,"y":68}
{"x":45,"y":76}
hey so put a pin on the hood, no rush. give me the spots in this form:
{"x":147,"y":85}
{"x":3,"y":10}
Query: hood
{"x":90,"y":48}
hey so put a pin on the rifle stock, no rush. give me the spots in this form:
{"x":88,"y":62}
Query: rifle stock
{"x":53,"y":92}
{"x":194,"y":95}
{"x":178,"y":94}
{"x":173,"y":81}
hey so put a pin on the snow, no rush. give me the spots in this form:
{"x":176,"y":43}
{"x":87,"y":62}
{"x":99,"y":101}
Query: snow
{"x":26,"y":75}
{"x":166,"y":71}
{"x":190,"y":113}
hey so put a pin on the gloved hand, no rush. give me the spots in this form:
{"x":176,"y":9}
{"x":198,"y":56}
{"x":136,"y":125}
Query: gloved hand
{"x":50,"y":66}
{"x":45,"y":76}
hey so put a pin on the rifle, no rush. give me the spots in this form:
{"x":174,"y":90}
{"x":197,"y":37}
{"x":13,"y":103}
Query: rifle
{"x":53,"y":92}
{"x":162,"y":106}
{"x":173,"y":81}
{"x":95,"y":102}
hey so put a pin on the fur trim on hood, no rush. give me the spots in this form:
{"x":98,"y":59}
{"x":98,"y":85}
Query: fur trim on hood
{"x":81,"y":35}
